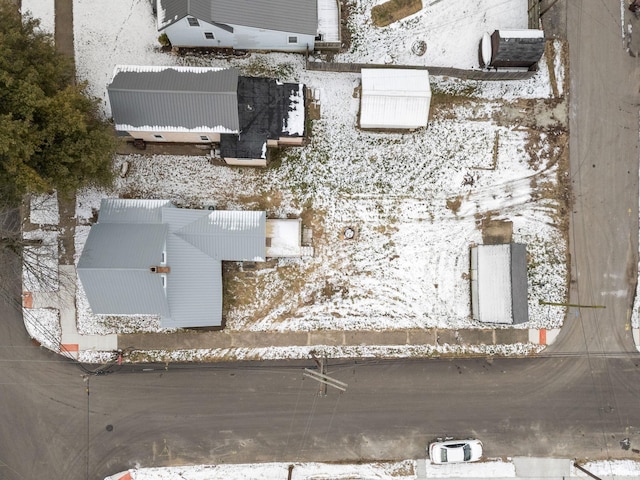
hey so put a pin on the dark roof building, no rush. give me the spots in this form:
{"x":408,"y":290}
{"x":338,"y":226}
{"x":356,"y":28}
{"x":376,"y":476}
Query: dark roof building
{"x":267,"y":110}
{"x":513,"y":48}
{"x":207,"y":105}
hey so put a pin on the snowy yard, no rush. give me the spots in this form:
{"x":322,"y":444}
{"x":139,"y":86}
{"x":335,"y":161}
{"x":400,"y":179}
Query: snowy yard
{"x":417,"y":200}
{"x":405,"y":470}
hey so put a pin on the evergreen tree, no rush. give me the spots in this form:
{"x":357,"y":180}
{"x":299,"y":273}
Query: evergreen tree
{"x":51,"y":133}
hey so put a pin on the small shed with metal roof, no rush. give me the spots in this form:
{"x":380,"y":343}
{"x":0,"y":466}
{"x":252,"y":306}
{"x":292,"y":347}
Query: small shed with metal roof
{"x":394,"y":98}
{"x":512,"y":48}
{"x":146,"y":257}
{"x":499,"y":291}
{"x":284,"y":25}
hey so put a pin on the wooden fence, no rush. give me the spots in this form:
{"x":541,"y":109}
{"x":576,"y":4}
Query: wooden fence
{"x":438,"y":71}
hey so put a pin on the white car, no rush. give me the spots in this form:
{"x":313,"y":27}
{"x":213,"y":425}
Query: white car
{"x":455,"y":451}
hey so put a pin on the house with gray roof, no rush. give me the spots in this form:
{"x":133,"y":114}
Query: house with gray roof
{"x":205,"y":105}
{"x":147,"y":257}
{"x":283,"y":25}
{"x":499,"y":285}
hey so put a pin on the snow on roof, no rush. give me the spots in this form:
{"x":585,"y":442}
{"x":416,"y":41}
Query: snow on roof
{"x":174,"y":99}
{"x":395,"y":98}
{"x":285,"y":235}
{"x":499,"y":283}
{"x":124,"y":127}
{"x":294,"y":123}
{"x":162,"y":68}
{"x":529,"y":33}
{"x":494,"y":283}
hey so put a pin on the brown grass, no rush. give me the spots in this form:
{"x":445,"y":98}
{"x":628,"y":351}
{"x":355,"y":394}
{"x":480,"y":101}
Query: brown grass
{"x":454,"y":204}
{"x":394,"y":10}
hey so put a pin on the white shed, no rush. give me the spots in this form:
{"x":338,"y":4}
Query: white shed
{"x":284,"y":238}
{"x":394,"y":98}
{"x":499,"y":283}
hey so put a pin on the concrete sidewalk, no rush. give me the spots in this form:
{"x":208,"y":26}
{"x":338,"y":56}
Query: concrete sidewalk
{"x":226,"y":339}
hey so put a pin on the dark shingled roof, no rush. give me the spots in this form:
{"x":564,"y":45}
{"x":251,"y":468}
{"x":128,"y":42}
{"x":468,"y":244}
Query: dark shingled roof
{"x":263,"y":108}
{"x":514,"y":51}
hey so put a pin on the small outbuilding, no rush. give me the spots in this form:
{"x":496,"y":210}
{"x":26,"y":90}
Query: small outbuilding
{"x":394,"y":98}
{"x":512,"y":48}
{"x":499,"y":292}
{"x":284,"y":238}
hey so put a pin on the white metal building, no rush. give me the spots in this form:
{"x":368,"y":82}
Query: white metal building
{"x":394,"y":98}
{"x":499,"y":283}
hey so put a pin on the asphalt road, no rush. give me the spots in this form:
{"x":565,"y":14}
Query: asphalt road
{"x":603,"y":128}
{"x":579,"y":402}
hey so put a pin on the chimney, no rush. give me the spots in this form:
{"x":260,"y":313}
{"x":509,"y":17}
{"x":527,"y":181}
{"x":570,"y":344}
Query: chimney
{"x":160,"y":269}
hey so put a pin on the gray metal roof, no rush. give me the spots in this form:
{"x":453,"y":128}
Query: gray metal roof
{"x":296,"y":16}
{"x":499,"y":283}
{"x":519,"y":283}
{"x":194,"y":287}
{"x":124,"y":291}
{"x":174,"y":99}
{"x":115,"y":264}
{"x":121,"y":210}
{"x":114,"y":269}
{"x":124,"y":245}
{"x":222,"y":235}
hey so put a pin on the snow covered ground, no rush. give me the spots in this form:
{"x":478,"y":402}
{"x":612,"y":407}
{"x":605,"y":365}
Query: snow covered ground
{"x":415,"y":199}
{"x":405,"y":470}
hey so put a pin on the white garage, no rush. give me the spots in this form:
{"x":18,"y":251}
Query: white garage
{"x":394,"y":98}
{"x":499,"y":292}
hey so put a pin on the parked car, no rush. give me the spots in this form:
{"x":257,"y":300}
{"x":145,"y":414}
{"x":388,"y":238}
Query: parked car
{"x":455,"y":451}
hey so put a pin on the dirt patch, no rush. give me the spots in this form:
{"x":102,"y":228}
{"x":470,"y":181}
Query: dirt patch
{"x":496,"y":232}
{"x":345,"y":32}
{"x":244,"y":283}
{"x":314,"y":220}
{"x":454,"y":204}
{"x":269,"y":201}
{"x":394,"y":10}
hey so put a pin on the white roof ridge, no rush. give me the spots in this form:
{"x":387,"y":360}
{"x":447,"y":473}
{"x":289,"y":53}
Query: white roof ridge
{"x":160,"y":68}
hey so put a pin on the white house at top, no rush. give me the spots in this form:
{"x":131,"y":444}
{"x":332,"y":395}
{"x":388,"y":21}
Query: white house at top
{"x":394,"y":98}
{"x":244,"y":115}
{"x":499,"y":283}
{"x":147,"y":257}
{"x":285,"y":25}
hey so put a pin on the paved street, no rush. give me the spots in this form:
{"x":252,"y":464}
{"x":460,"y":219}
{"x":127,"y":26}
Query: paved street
{"x":604,"y":178}
{"x":579,"y":400}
